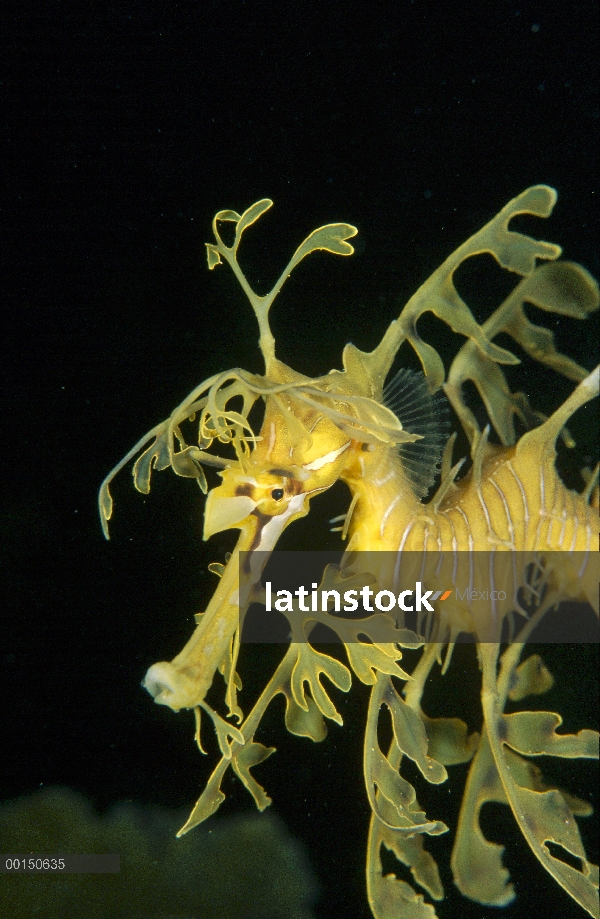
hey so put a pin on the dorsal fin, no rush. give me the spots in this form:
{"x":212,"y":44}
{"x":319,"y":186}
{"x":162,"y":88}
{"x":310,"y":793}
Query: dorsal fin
{"x":420,"y":412}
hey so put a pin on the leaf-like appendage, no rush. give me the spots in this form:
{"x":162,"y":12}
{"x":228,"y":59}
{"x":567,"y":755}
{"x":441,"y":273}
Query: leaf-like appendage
{"x":563,"y":288}
{"x":390,"y":898}
{"x":209,"y":801}
{"x":310,"y":664}
{"x":155,"y":457}
{"x":396,"y":790}
{"x":411,"y":736}
{"x":449,"y":740}
{"x":105,"y":504}
{"x":304,"y":722}
{"x":382,"y":776}
{"x":542,"y":813}
{"x":512,"y":250}
{"x":224,"y":731}
{"x":213,"y":256}
{"x":477,"y":863}
{"x":186,"y":463}
{"x":534,"y":734}
{"x":369,"y":660}
{"x":410,"y":851}
{"x":248,"y":756}
{"x":330,"y":238}
{"x":251,"y":215}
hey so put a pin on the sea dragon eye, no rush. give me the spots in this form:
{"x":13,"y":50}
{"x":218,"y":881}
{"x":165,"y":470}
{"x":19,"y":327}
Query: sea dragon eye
{"x":277,"y":494}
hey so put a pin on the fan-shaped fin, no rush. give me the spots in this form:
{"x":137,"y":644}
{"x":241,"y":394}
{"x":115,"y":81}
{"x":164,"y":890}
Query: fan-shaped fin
{"x":423,"y":413}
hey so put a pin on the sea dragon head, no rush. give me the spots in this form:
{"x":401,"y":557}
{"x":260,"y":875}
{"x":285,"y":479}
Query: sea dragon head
{"x":309,"y":428}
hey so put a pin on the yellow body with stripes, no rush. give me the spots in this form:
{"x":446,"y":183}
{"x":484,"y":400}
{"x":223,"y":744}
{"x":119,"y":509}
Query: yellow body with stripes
{"x":390,"y":445}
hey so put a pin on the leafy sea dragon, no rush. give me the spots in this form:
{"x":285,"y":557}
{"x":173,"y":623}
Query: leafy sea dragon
{"x":388,"y":444}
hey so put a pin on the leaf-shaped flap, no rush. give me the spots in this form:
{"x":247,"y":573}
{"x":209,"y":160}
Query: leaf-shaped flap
{"x":550,"y":820}
{"x":369,"y":660}
{"x":410,"y":851}
{"x":395,"y":789}
{"x":246,"y":757}
{"x":156,"y":456}
{"x":411,"y":737}
{"x":449,"y":740}
{"x":310,"y":664}
{"x":501,"y":405}
{"x":105,"y":503}
{"x":531,"y":678}
{"x":186,"y":463}
{"x":213,"y":256}
{"x":477,"y":863}
{"x":224,"y":731}
{"x":356,"y":364}
{"x":564,"y":288}
{"x":543,"y":816}
{"x":528,"y":775}
{"x":534,"y":734}
{"x":209,"y":801}
{"x":331,"y":238}
{"x":301,"y":722}
{"x":216,"y":568}
{"x":391,"y":898}
{"x":250,"y":215}
{"x":513,"y":251}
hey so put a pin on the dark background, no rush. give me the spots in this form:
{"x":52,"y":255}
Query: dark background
{"x":125,"y":127}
